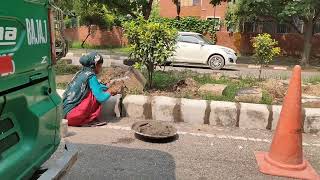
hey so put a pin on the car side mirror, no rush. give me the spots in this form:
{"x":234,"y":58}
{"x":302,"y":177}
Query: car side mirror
{"x":201,"y":43}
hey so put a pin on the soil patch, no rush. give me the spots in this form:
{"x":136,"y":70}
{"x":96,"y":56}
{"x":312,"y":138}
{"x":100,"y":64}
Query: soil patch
{"x":154,"y":128}
{"x":113,"y":73}
{"x":313,"y":90}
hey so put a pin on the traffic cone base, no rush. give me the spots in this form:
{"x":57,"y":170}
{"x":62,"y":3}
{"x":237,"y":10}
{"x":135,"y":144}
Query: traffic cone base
{"x":301,"y":171}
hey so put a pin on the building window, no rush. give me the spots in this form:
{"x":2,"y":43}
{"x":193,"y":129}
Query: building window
{"x":283,"y":28}
{"x":190,"y":2}
{"x":248,"y":27}
{"x":268,"y":27}
{"x":317,"y":27}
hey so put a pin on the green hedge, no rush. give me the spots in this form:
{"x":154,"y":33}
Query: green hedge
{"x":191,"y":24}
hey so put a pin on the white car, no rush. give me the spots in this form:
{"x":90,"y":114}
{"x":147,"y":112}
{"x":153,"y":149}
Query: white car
{"x":194,"y":48}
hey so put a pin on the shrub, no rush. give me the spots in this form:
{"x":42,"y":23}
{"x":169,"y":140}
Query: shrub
{"x":265,"y":49}
{"x":150,"y":43}
{"x":191,"y":24}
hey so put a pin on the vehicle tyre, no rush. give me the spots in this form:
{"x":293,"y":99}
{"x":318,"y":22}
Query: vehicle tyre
{"x":216,"y":62}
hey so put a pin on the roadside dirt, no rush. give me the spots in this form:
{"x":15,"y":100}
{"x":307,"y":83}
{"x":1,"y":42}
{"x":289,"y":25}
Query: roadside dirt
{"x":188,"y":87}
{"x":156,"y":129}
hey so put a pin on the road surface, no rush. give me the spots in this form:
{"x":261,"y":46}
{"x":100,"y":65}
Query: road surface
{"x":200,"y":153}
{"x":238,"y":70}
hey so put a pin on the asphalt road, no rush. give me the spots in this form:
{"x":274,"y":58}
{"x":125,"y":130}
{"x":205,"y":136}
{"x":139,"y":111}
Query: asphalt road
{"x":228,"y":70}
{"x":200,"y":153}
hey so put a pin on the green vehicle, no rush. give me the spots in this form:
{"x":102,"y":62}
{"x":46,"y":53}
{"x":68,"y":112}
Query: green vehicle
{"x":30,"y":108}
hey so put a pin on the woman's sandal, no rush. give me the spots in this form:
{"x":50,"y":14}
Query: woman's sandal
{"x":95,"y":124}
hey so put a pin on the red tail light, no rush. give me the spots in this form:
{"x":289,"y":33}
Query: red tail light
{"x":52,"y":36}
{"x":6,"y":65}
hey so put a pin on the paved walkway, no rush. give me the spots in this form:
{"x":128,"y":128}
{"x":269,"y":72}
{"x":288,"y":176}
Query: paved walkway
{"x":200,"y":153}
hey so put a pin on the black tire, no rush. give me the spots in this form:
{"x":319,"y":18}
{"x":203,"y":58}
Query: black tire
{"x":216,"y":62}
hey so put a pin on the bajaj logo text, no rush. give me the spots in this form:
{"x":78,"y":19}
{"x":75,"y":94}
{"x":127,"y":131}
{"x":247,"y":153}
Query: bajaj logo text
{"x":37,"y":32}
{"x":8,"y":35}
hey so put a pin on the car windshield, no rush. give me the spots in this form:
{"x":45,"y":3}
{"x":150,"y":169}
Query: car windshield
{"x":205,"y":39}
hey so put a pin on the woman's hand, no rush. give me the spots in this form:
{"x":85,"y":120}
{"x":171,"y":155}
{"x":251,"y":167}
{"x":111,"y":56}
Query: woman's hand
{"x":116,"y":88}
{"x":112,"y":92}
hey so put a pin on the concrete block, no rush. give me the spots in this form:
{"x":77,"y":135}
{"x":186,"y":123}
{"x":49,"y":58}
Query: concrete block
{"x":254,"y":66}
{"x":253,"y":116}
{"x":163,"y":108}
{"x":110,"y":108}
{"x":193,"y":111}
{"x":276,"y":110}
{"x":134,"y":106}
{"x":223,"y":114}
{"x":64,"y":128}
{"x":212,"y":89}
{"x":280,"y":68}
{"x":249,"y":95}
{"x":312,"y":120}
{"x":60,"y":92}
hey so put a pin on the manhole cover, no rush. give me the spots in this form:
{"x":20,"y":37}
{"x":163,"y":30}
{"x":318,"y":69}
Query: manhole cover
{"x":155,"y":130}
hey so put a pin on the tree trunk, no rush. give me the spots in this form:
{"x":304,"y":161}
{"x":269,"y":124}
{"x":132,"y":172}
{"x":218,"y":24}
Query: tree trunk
{"x":150,"y":75}
{"x":89,"y":33}
{"x":147,"y":10}
{"x":308,"y":34}
{"x":178,"y":10}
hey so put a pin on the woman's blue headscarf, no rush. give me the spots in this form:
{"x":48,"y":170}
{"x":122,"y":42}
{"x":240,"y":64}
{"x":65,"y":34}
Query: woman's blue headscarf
{"x":78,"y":88}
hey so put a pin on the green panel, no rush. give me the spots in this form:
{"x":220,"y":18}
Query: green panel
{"x":34,"y":116}
{"x":8,"y":142}
{"x":25,"y":36}
{"x":5,"y":125}
{"x":30,"y":108}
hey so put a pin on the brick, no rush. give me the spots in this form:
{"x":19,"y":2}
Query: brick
{"x":134,"y":105}
{"x":223,"y":114}
{"x":163,"y":108}
{"x":193,"y":111}
{"x":253,"y":116}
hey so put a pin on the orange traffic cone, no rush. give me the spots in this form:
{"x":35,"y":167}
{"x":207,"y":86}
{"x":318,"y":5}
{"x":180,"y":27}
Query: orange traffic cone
{"x":285,"y":157}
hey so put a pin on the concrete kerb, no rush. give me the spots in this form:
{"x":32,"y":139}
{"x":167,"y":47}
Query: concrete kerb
{"x":218,"y":113}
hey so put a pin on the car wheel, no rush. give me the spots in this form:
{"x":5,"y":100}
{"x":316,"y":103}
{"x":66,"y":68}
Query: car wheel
{"x":216,"y":62}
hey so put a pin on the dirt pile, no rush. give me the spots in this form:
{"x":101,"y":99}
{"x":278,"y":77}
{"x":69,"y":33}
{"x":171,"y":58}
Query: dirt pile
{"x":156,"y":129}
{"x":186,"y":85}
{"x":313,"y":90}
{"x":113,"y":73}
{"x":276,"y":88}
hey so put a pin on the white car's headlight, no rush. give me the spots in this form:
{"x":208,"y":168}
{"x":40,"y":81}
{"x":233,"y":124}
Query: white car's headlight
{"x":228,"y":51}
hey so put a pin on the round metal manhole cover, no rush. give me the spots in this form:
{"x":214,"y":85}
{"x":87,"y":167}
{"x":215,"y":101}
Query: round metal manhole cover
{"x":154,"y":130}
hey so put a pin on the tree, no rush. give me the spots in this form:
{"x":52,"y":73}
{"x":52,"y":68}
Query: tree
{"x":129,"y":7}
{"x":151,"y":44}
{"x":264,"y":50}
{"x":178,"y":6}
{"x":291,"y":12}
{"x":90,"y":13}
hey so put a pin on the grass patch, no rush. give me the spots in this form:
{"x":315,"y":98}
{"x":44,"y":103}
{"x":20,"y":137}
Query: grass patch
{"x":165,"y":80}
{"x":62,"y":68}
{"x":77,"y":45}
{"x":313,"y":80}
{"x":112,"y":49}
{"x":266,"y":98}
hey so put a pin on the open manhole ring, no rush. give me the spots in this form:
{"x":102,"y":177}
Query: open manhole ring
{"x":154,"y":130}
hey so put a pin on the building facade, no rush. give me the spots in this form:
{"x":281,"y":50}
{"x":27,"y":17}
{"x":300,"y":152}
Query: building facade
{"x":196,"y":8}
